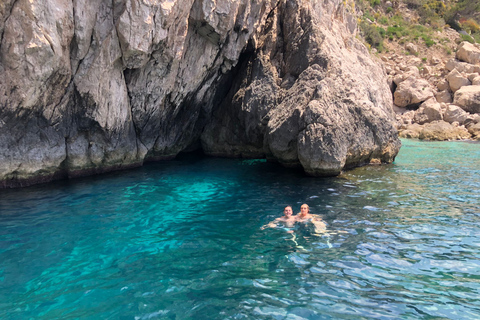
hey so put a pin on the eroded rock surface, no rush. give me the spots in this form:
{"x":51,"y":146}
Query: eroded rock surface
{"x":97,"y":86}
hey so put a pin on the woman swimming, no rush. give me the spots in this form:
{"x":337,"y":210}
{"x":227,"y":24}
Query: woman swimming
{"x":305,"y":217}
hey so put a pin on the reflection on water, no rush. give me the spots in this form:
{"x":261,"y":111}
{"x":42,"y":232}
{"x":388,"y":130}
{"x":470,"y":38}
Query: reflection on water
{"x":182,"y":240}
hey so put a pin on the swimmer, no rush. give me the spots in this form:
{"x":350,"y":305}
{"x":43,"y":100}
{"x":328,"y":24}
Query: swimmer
{"x":288,"y":220}
{"x":305,"y":216}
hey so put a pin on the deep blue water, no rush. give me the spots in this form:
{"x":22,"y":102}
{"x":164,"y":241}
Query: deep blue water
{"x":182,"y":240}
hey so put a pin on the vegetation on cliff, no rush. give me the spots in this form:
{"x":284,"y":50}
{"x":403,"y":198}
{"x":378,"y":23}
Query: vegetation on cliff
{"x":418,"y":21}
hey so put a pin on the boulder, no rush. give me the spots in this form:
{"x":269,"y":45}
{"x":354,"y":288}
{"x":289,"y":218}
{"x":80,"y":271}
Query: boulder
{"x":407,"y":117}
{"x":443,"y":96}
{"x":426,"y":71}
{"x":475,"y":118}
{"x":413,"y":49}
{"x":468,"y":98}
{"x":461,"y":66}
{"x":407,"y":73}
{"x":411,"y":131}
{"x":435,"y":61}
{"x":468,"y":52}
{"x":474,"y":130}
{"x":442,"y":85}
{"x":471,"y":77}
{"x":442,"y":131}
{"x":454,"y":113}
{"x":437,"y":130}
{"x":476,"y":81}
{"x":412,"y":92}
{"x":456,"y":80}
{"x":428,"y":111}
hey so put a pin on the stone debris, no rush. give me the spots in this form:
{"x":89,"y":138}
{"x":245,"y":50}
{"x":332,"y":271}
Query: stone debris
{"x":455,"y":102}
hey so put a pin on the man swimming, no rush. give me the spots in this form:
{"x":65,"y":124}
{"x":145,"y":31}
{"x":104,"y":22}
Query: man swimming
{"x":288,"y":220}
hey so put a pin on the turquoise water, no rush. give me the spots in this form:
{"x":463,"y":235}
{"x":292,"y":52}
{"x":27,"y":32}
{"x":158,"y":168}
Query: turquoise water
{"x":182,"y":240}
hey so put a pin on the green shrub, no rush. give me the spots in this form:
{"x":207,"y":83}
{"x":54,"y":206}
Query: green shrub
{"x":437,"y":23}
{"x":431,"y":10}
{"x":368,"y":16}
{"x":428,"y":41}
{"x":383,"y":20}
{"x":466,"y":37}
{"x":373,"y":35}
{"x":398,"y":20}
{"x":420,"y":28}
{"x":396,"y":31}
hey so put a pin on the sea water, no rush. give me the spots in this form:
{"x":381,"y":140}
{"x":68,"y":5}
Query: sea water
{"x":182,"y":239}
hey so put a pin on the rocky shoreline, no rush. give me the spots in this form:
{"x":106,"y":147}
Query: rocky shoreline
{"x":445,"y":106}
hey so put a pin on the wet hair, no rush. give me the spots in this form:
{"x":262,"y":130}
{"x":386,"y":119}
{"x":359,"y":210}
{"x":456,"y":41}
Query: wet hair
{"x":308,"y":207}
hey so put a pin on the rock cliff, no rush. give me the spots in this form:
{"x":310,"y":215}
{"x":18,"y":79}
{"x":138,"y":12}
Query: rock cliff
{"x":90,"y":87}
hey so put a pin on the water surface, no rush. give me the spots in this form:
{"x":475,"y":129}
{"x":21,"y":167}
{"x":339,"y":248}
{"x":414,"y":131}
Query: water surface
{"x":182,"y":240}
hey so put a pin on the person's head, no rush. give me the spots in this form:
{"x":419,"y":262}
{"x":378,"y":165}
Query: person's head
{"x":288,"y":211}
{"x":304,"y":209}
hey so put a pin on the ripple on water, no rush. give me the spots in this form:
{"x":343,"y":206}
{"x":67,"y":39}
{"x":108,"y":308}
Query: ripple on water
{"x":182,"y":240}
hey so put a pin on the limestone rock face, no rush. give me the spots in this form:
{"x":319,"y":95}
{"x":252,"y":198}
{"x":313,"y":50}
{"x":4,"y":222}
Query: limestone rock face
{"x":36,"y":72}
{"x":93,"y":86}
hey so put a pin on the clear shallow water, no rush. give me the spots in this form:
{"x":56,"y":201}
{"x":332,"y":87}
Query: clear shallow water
{"x":182,"y":240}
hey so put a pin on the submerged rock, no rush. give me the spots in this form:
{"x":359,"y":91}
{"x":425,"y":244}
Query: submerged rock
{"x":93,"y":86}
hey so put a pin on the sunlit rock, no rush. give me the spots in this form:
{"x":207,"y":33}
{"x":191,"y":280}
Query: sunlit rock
{"x":89,"y":87}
